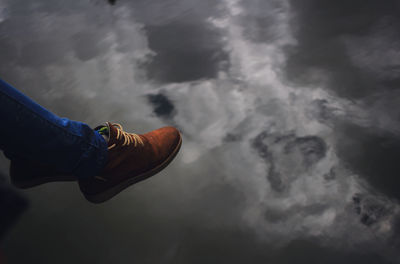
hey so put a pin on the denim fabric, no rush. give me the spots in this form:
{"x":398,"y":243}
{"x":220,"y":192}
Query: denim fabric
{"x":30,"y":131}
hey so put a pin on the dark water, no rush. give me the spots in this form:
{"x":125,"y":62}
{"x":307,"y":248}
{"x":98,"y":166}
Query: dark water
{"x":290,"y":117}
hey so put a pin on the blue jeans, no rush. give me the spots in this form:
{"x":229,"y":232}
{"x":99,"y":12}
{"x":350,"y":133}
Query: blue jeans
{"x":32,"y":132}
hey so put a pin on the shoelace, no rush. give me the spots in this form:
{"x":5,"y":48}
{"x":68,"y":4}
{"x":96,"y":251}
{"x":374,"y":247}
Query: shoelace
{"x":128,"y":138}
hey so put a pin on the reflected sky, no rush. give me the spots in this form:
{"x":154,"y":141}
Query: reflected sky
{"x":288,"y":111}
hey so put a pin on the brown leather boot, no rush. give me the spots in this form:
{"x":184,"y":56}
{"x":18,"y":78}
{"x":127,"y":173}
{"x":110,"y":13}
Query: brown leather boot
{"x":26,"y":173}
{"x":131,"y":158}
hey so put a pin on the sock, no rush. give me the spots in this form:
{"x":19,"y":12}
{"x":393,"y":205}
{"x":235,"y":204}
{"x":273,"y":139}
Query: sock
{"x":104,"y":132}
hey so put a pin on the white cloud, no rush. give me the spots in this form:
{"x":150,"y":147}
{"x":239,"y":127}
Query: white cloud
{"x":248,"y":99}
{"x":252,"y":98}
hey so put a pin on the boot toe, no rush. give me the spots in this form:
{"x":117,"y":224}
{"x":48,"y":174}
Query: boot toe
{"x":172,"y":136}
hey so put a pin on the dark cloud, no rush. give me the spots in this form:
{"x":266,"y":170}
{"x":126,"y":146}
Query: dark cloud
{"x":240,"y":247}
{"x":350,"y":49}
{"x":11,"y":52}
{"x":239,"y":193}
{"x":312,"y":148}
{"x":49,"y":37}
{"x":163,"y":107}
{"x":163,"y":12}
{"x":371,"y":154}
{"x":112,"y":2}
{"x":186,"y":47}
{"x":184,"y":52}
{"x":41,"y":53}
{"x":371,"y":209}
{"x":303,"y":251}
{"x":323,"y":30}
{"x":331,"y":175}
{"x":87,"y":45}
{"x":230,"y":137}
{"x":279,"y":151}
{"x":260,"y":20}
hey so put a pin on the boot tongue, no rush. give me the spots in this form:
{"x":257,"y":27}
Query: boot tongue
{"x":112,"y":134}
{"x":109,"y":133}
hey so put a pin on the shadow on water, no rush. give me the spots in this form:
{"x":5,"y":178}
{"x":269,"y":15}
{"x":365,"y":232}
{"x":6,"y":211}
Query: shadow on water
{"x":240,"y":247}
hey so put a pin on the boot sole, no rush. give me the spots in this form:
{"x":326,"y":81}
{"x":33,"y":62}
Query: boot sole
{"x":108,"y":194}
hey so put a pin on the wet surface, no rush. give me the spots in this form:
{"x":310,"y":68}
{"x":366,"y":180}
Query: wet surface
{"x":289,"y":112}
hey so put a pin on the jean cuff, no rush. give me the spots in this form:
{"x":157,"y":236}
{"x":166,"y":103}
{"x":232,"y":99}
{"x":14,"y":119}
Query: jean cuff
{"x":94,"y":158}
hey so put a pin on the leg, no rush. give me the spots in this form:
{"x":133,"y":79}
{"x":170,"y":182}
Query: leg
{"x":32,"y":132}
{"x":104,"y":168}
